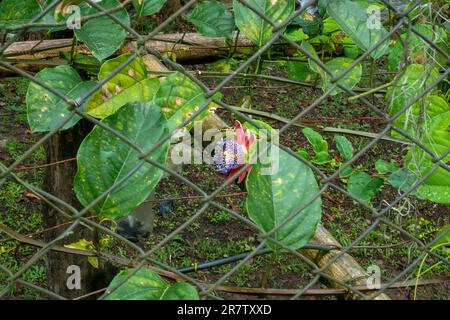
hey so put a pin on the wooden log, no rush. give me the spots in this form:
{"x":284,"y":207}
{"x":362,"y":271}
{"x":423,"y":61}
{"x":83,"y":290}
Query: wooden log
{"x":187,"y":48}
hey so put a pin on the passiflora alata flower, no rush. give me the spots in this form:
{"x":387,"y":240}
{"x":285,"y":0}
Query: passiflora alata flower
{"x":230,"y":155}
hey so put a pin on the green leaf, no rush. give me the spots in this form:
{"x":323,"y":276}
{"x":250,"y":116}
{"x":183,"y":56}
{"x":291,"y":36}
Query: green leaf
{"x":14,"y":13}
{"x":299,"y":71}
{"x":256,"y":28}
{"x":86,"y":245}
{"x":104,"y":159}
{"x":410,"y":85}
{"x":344,"y":147}
{"x":148,"y":7}
{"x":436,"y":187}
{"x":273,"y":197}
{"x":402,"y":179}
{"x":212,"y":19}
{"x":322,"y":157}
{"x":383,"y":167}
{"x":46,"y":110}
{"x":338,"y":66}
{"x":346,"y":172}
{"x":354,"y":19}
{"x":296,"y":34}
{"x":180,"y":291}
{"x":102,"y":35}
{"x":318,"y":143}
{"x":363,"y":186}
{"x":148,"y":285}
{"x":445,"y":232}
{"x":131,"y":84}
{"x":179,"y":97}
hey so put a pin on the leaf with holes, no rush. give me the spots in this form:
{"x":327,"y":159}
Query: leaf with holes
{"x":338,"y":66}
{"x":102,"y":35}
{"x":364,"y":187}
{"x":356,"y":20}
{"x":146,"y":284}
{"x":212,"y":19}
{"x":131,"y":84}
{"x":148,"y":7}
{"x":104,"y":159}
{"x":256,"y":28}
{"x":279,"y":187}
{"x":179,"y":98}
{"x":45,"y":110}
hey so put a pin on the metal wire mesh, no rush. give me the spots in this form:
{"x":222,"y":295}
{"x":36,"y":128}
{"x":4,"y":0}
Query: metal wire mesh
{"x":377,"y":216}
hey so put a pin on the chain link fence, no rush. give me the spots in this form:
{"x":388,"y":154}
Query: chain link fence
{"x":378,"y":216}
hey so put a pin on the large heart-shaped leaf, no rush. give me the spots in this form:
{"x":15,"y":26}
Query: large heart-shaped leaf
{"x":276,"y":190}
{"x":179,"y":97}
{"x":356,"y":20}
{"x":437,"y":139}
{"x":148,"y":7}
{"x":102,"y":35}
{"x":45,"y":110}
{"x":256,"y":28}
{"x":103,"y":159}
{"x":148,"y":285}
{"x":338,"y":66}
{"x":129,"y":85}
{"x":212,"y":19}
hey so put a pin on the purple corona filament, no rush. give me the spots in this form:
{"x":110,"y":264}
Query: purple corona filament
{"x":228,"y":155}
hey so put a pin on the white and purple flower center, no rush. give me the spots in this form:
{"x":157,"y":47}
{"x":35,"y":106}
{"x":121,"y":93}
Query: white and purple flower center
{"x":229,"y":155}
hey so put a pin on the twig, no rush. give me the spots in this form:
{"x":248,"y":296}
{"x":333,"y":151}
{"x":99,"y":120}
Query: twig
{"x":44,"y":165}
{"x":197,"y":197}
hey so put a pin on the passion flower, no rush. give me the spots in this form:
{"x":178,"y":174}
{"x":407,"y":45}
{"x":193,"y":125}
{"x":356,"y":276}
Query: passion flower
{"x":231,"y":154}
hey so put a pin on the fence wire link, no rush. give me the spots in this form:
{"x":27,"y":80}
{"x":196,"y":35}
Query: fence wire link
{"x":376,"y":216}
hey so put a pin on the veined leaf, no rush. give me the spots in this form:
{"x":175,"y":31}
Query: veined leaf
{"x":256,"y":28}
{"x":276,"y":190}
{"x":344,"y":147}
{"x":45,"y":110}
{"x":146,"y":284}
{"x":354,"y":19}
{"x":103,"y":159}
{"x":338,"y":66}
{"x":129,"y":85}
{"x":102,"y":35}
{"x":212,"y":19}
{"x":363,"y":186}
{"x":14,"y":13}
{"x":179,"y":98}
{"x":318,"y":143}
{"x":148,"y":7}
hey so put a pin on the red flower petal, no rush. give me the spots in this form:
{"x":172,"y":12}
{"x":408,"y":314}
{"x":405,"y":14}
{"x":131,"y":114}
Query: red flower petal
{"x":240,"y":133}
